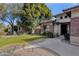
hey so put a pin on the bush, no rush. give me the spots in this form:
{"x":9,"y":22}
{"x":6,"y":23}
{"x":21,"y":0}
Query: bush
{"x":6,"y":30}
{"x":48,"y":34}
{"x":57,"y":35}
{"x":67,"y":36}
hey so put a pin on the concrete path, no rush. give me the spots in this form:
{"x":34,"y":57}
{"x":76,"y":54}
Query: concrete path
{"x":59,"y":46}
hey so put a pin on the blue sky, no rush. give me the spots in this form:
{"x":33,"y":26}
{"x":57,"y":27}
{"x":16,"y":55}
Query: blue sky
{"x":57,"y":8}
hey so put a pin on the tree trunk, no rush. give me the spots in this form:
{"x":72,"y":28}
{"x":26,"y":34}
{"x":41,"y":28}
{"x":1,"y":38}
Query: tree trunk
{"x":18,"y":30}
{"x":12,"y":29}
{"x":33,"y":31}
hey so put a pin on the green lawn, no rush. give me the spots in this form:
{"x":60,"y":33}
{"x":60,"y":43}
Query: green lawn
{"x":14,"y":39}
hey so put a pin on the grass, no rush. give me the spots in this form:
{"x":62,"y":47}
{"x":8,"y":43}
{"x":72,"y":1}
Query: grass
{"x":14,"y":39}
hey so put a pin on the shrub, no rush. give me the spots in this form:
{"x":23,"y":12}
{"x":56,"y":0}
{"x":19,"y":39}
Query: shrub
{"x":57,"y":35}
{"x":6,"y":30}
{"x":48,"y":34}
{"x":67,"y":36}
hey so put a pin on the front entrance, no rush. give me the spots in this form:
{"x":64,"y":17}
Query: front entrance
{"x":63,"y":28}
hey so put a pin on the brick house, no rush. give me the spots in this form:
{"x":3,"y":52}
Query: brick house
{"x":66,"y":22}
{"x":46,"y":25}
{"x":74,"y":24}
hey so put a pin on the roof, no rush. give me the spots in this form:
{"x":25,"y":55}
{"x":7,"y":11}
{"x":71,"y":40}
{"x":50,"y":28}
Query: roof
{"x":58,"y":14}
{"x":71,"y":8}
{"x":46,"y":21}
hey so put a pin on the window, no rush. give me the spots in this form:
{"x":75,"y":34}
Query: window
{"x":61,"y":17}
{"x":65,"y":17}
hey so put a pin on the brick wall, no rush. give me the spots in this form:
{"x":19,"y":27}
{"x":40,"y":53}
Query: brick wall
{"x":49,"y":26}
{"x":74,"y":26}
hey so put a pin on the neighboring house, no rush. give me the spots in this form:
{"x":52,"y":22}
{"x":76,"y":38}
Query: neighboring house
{"x":45,"y":25}
{"x":66,"y":22}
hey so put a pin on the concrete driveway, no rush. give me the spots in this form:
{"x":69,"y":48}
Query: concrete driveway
{"x":59,"y":46}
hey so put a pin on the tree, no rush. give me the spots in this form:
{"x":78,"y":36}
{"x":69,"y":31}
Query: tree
{"x":9,"y":19}
{"x":10,"y":15}
{"x":2,"y":8}
{"x":33,"y":13}
{"x":2,"y":26}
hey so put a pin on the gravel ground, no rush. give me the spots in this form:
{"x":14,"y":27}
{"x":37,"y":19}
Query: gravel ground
{"x":19,"y":50}
{"x":34,"y":52}
{"x":8,"y":50}
{"x":23,"y":50}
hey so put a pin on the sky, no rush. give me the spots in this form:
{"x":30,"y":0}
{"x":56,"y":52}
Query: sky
{"x":57,"y":8}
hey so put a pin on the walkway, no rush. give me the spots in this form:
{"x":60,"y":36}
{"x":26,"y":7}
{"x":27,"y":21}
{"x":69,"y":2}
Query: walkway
{"x":59,"y":46}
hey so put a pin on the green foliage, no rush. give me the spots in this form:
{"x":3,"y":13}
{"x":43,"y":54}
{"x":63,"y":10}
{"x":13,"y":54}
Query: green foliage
{"x":48,"y":34}
{"x":33,"y":13}
{"x":6,"y":30}
{"x":30,"y":14}
{"x":10,"y":14}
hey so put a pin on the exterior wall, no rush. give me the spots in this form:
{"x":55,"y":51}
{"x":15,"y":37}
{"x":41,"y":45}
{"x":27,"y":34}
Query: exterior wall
{"x":61,"y":15}
{"x":75,"y":26}
{"x":49,"y":27}
{"x":74,"y":35}
{"x":57,"y":29}
{"x":68,"y":28}
{"x":75,"y":13}
{"x":64,"y":20}
{"x":74,"y":40}
{"x":37,"y":30}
